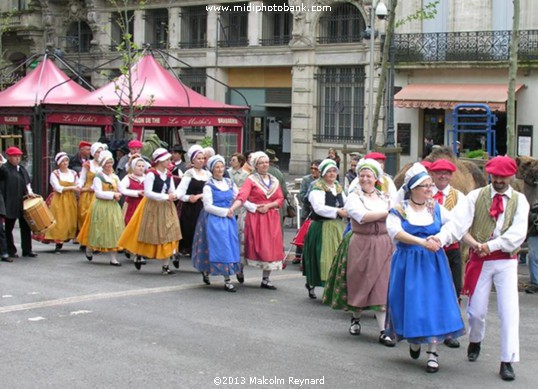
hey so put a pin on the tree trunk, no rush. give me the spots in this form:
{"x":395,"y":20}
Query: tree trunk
{"x":512,"y":75}
{"x":384,"y":67}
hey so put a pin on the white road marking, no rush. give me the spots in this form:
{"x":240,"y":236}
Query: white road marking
{"x":120,"y":294}
{"x":37,"y":318}
{"x":81,"y":312}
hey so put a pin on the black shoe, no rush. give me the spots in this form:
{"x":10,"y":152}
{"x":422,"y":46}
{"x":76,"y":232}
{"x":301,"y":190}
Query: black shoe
{"x":531,"y":288}
{"x":266,"y":284}
{"x":7,"y":259}
{"x":166,"y":270}
{"x":432,"y":366}
{"x":31,"y":254}
{"x":88,"y":253}
{"x":296,"y":260}
{"x":240,"y":277}
{"x":127,"y":254}
{"x":355,"y":327}
{"x":229,"y":287}
{"x":452,"y":343}
{"x":415,"y":354}
{"x":311,"y":292}
{"x":506,"y":372}
{"x":473,"y":351}
{"x":385,"y":340}
{"x":205,"y":278}
{"x":138,"y":262}
{"x":116,"y":263}
{"x":175,"y":261}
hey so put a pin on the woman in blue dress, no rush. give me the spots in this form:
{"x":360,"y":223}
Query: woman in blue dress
{"x":215,"y":249}
{"x":422,"y":302}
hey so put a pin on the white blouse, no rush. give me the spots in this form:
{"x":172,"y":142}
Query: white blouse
{"x":69,"y":176}
{"x":317,"y":200}
{"x":94,"y":168}
{"x":124,"y":185}
{"x":148,"y":186}
{"x":416,"y":218}
{"x":207,"y":199}
{"x":201,"y":175}
{"x":357,"y":205}
{"x":97,"y":186}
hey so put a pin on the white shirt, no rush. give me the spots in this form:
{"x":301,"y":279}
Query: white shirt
{"x":357,"y":205}
{"x":416,"y":218}
{"x":207,"y":199}
{"x":94,"y":168}
{"x":69,"y":176}
{"x":508,"y":242}
{"x":97,"y":186}
{"x":124,"y":185}
{"x":201,"y":175}
{"x":317,"y":200}
{"x":148,"y":187}
{"x":392,"y":193}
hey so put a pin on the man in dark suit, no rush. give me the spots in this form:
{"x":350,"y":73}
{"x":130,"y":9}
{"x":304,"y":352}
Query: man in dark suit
{"x":15,"y":185}
{"x":4,"y":256}
{"x":83,"y":155}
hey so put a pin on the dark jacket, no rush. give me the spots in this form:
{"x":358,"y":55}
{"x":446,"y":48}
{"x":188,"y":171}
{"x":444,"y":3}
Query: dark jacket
{"x":75,"y":163}
{"x":13,"y":188}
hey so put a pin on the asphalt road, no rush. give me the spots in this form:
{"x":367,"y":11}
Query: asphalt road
{"x":69,"y":323}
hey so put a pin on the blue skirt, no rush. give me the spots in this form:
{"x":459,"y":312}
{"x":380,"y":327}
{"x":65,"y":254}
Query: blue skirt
{"x":422,"y":302}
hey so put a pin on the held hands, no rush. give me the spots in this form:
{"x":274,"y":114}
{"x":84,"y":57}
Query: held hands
{"x":482,"y":249}
{"x":431,"y":243}
{"x":342,"y":213}
{"x":230,"y":213}
{"x":171,"y":196}
{"x":195,"y":198}
{"x":264,"y":208}
{"x":117,"y":196}
{"x":141,"y":193}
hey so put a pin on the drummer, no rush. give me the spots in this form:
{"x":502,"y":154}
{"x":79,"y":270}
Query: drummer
{"x":15,"y":185}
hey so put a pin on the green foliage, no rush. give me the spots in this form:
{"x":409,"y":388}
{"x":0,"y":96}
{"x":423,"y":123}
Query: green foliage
{"x":477,"y":154}
{"x":427,"y":12}
{"x":207,"y":142}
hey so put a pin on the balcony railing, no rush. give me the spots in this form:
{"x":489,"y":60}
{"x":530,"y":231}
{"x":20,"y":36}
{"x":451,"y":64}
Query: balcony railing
{"x":477,"y":46}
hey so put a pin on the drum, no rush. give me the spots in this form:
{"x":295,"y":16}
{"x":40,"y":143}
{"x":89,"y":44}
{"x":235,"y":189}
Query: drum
{"x":37,"y":215}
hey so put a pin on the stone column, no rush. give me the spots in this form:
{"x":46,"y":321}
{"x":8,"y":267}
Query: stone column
{"x":254,"y":24}
{"x":174,"y":27}
{"x":139,"y":37}
{"x":212,"y":28}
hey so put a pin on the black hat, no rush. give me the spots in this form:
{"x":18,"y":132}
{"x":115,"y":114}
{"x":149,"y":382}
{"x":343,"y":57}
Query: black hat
{"x":178,"y":149}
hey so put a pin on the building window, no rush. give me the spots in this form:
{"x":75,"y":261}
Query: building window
{"x":340,"y":104}
{"x":233,"y":26}
{"x":277,"y":26}
{"x":78,"y":38}
{"x":195,"y":78}
{"x":342,"y":25}
{"x":193,"y":27}
{"x":157,"y":27}
{"x":122,"y":28}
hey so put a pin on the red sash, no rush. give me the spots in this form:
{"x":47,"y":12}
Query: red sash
{"x":474,"y":268}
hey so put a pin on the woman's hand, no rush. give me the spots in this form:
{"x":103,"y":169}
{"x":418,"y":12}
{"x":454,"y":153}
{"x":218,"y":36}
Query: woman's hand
{"x":172,"y":197}
{"x":195,"y":198}
{"x":342,"y":213}
{"x":140,"y":193}
{"x":117,"y":196}
{"x":264,"y":208}
{"x":230,"y":213}
{"x":431,"y":244}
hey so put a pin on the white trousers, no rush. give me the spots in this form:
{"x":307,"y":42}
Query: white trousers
{"x":503,"y":274}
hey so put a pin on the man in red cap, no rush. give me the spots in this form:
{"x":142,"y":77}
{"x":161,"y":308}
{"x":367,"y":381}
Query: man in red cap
{"x":15,"y":185}
{"x":83,"y":155}
{"x":449,"y":197}
{"x":135,"y":146}
{"x":494,"y":224}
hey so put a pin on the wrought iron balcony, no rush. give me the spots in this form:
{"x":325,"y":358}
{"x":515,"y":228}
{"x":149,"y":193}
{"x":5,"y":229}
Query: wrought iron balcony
{"x":479,"y":46}
{"x":335,"y":138}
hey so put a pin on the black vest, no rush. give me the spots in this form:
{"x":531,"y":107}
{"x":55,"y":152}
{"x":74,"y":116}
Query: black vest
{"x":332,"y":201}
{"x":159,"y":183}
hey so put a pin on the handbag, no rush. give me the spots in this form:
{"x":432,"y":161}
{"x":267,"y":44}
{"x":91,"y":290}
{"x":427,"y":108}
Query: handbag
{"x":299,"y":238}
{"x":291,"y":211}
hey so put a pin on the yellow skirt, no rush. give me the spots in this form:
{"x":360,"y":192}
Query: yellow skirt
{"x":129,"y":239}
{"x":64,"y":208}
{"x":84,"y":205}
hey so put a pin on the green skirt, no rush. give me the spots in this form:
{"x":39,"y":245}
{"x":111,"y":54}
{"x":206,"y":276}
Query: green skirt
{"x":106,"y":225}
{"x":335,"y":292}
{"x":321,"y":244}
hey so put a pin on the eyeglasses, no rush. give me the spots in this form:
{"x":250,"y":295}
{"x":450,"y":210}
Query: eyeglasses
{"x":425,"y":186}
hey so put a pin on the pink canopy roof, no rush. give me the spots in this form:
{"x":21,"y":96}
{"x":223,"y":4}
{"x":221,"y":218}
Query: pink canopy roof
{"x":153,"y":86}
{"x":45,"y":84}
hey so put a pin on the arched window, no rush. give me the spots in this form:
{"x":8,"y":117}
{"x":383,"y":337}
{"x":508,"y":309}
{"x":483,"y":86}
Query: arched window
{"x":343,"y":24}
{"x":78,"y":37}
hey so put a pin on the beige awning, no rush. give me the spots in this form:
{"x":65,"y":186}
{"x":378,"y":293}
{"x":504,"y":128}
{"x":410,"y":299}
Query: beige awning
{"x":447,"y":96}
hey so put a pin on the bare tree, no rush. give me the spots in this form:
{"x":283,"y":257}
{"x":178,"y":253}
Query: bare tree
{"x":512,"y":75}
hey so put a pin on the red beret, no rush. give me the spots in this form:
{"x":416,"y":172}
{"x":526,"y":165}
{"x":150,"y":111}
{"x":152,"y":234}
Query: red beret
{"x":442,"y":164}
{"x":83,"y":143}
{"x":426,"y":164}
{"x":11,"y":151}
{"x":376,"y":155}
{"x":136,"y":144}
{"x":501,"y":166}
